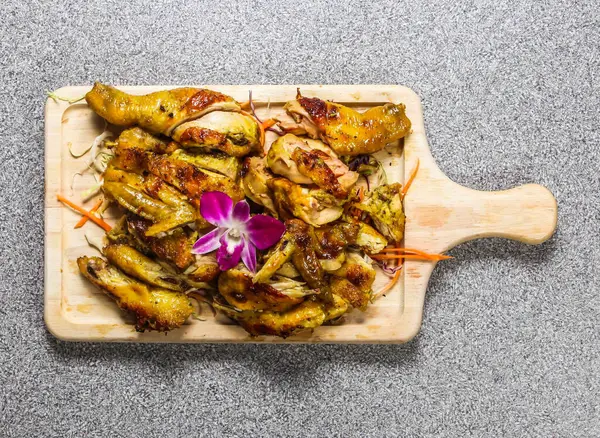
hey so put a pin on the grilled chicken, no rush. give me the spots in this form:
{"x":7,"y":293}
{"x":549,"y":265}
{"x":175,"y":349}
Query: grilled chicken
{"x":191,"y":180}
{"x":255,"y":177}
{"x":347,"y":131}
{"x":238,"y":289}
{"x":149,"y":198}
{"x":384,"y":205}
{"x":176,"y":247}
{"x":137,"y":265}
{"x":204,"y":269}
{"x":353,"y":281}
{"x":215,"y":162}
{"x":160,"y":112}
{"x":307,"y":315}
{"x":154,"y":308}
{"x":315,"y":207}
{"x":133,"y":143}
{"x":307,"y":161}
{"x":312,"y":165}
{"x":368,"y":238}
{"x":236,"y":134}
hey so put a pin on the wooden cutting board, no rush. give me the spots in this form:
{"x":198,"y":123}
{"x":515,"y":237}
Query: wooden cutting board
{"x":440,"y":215}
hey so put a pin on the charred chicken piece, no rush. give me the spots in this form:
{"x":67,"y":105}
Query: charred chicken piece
{"x":306,"y":315}
{"x":215,"y":162}
{"x":149,"y":198}
{"x":190,"y":179}
{"x":236,"y":134}
{"x":297,"y":245}
{"x":159,"y":112}
{"x":309,"y":314}
{"x":315,"y":207}
{"x":347,"y":131}
{"x":154,"y":308}
{"x":255,"y":177}
{"x":238,"y":289}
{"x":204,"y":269}
{"x":131,"y":145}
{"x":384,"y":205}
{"x":282,"y":162}
{"x":353,"y":281}
{"x":176,"y":247}
{"x":312,"y":165}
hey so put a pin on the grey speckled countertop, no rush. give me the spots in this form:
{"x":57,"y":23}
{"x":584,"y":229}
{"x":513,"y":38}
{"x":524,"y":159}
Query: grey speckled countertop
{"x":510,"y":339}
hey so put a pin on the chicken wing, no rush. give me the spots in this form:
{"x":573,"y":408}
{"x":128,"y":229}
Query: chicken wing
{"x":159,"y":112}
{"x":149,"y":198}
{"x":315,"y":207}
{"x":347,"y":131}
{"x":384,"y":205}
{"x":154,"y":308}
{"x":137,"y":265}
{"x":236,"y":134}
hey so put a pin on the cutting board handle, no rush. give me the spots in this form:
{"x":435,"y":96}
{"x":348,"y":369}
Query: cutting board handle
{"x":527,"y":213}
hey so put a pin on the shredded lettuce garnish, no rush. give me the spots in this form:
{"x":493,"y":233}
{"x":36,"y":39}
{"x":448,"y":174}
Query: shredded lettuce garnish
{"x":56,"y":97}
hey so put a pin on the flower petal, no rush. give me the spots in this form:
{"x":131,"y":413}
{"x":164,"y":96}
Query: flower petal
{"x":249,"y":256}
{"x":216,"y":208}
{"x":228,"y":254}
{"x":241,"y":212}
{"x":209,"y":242}
{"x":264,"y":231}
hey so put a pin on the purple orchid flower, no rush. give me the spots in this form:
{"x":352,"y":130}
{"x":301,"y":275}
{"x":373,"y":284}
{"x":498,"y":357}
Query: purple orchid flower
{"x":237,"y":234}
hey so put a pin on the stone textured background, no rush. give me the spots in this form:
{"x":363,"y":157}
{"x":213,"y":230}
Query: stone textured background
{"x":510,"y":339}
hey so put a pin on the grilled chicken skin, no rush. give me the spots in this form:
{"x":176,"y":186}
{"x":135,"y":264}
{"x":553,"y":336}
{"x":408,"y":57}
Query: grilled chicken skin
{"x":315,"y":207}
{"x":236,"y":134}
{"x":159,"y":112}
{"x":307,"y":161}
{"x":155,"y":308}
{"x":345,"y":130}
{"x":308,"y":314}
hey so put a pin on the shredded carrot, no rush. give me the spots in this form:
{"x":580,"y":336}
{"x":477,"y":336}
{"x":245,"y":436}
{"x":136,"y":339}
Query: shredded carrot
{"x":84,"y":219}
{"x":82,"y":211}
{"x":432,"y":257}
{"x":404,"y":250}
{"x":410,"y":180}
{"x":390,"y":285}
{"x":245,"y":105}
{"x":269,"y":123}
{"x":361,"y":194}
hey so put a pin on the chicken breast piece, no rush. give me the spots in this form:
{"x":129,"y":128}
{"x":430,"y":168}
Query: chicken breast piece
{"x":315,"y":207}
{"x":236,"y":134}
{"x":281,"y":161}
